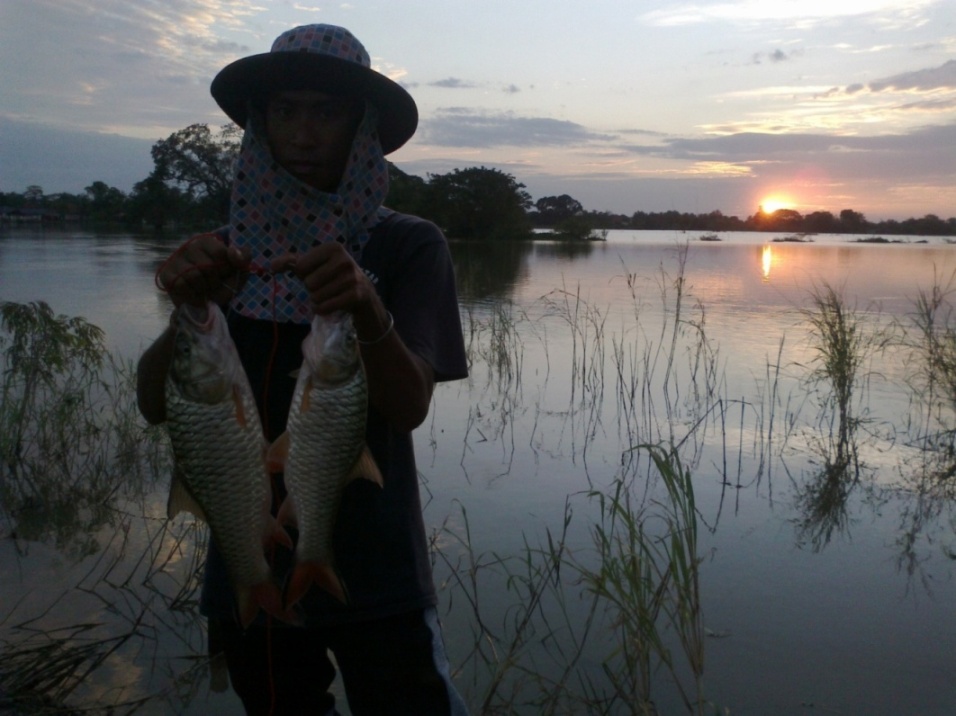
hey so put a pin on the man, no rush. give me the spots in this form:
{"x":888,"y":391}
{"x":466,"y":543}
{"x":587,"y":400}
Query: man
{"x":307,"y":203}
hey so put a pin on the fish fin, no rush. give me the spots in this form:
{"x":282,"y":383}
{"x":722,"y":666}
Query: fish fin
{"x":287,"y":514}
{"x":306,"y":396}
{"x":366,"y":467}
{"x":265,"y":596}
{"x":241,"y":417}
{"x":277,"y":535}
{"x":278,"y":453}
{"x":180,"y":500}
{"x":305,"y":574}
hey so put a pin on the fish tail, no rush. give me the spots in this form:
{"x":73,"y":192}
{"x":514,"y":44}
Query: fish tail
{"x":305,"y":574}
{"x":265,"y":596}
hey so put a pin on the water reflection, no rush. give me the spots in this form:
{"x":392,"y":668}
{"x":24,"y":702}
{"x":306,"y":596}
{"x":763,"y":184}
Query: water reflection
{"x":572,"y":366}
{"x":489,"y":269}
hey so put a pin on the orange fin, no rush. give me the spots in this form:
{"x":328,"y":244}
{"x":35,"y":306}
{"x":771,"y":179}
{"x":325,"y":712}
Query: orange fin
{"x":306,"y":396}
{"x":275,"y":534}
{"x":265,"y":596}
{"x":240,"y":410}
{"x":287,"y":514}
{"x":305,"y":574}
{"x":278,"y":453}
{"x":181,"y":500}
{"x":366,"y":468}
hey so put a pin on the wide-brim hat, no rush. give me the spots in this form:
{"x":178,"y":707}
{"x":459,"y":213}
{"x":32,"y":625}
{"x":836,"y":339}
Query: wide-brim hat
{"x":325,"y":58}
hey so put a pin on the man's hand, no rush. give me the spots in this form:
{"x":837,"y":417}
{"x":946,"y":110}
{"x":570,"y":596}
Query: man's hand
{"x":203,"y":269}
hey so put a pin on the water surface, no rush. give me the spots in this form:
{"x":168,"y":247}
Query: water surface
{"x":859,"y":622}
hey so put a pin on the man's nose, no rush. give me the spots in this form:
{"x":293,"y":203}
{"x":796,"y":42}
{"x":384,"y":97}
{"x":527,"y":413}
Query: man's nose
{"x":304,"y":131}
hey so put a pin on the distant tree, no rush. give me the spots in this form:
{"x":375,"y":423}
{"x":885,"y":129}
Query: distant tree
{"x":821,"y":222}
{"x":574,"y":228}
{"x":479,"y":203}
{"x":406,"y":193}
{"x":852,"y":221}
{"x":105,"y":203}
{"x":72,"y":206}
{"x":785,"y":220}
{"x":33,"y":196}
{"x":155,"y":203}
{"x":555,"y":209}
{"x":929,"y":225}
{"x":200,"y":163}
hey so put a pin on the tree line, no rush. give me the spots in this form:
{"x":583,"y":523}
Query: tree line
{"x":190,"y":183}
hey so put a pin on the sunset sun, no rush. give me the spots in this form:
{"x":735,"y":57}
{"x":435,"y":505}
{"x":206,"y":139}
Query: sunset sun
{"x":774,"y":202}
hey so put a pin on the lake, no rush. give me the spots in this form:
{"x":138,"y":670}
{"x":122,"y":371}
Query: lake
{"x":825,"y":536}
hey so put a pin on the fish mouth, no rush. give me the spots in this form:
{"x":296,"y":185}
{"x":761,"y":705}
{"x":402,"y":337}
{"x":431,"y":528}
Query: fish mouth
{"x":198,"y":316}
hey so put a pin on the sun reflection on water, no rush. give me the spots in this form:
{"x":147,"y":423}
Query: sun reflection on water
{"x":766,"y":260}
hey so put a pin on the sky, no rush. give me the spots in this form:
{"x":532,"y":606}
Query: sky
{"x":648,"y":105}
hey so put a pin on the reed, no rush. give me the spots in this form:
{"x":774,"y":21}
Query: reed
{"x":647,"y":576}
{"x":838,"y":376}
{"x":70,"y":436}
{"x":929,"y":338}
{"x":78,"y":466}
{"x":933,"y":373}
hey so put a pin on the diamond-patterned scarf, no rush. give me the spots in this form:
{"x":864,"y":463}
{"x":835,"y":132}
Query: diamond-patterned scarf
{"x":272,"y":213}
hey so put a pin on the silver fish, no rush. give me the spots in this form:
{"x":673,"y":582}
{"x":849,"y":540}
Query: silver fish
{"x":219,"y":449}
{"x":322,"y":449}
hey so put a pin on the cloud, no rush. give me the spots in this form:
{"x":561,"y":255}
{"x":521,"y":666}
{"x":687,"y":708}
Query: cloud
{"x":928,"y":151}
{"x":459,"y":127}
{"x":452,"y":83}
{"x":942,"y":77}
{"x":805,"y":13}
{"x":119,"y":65}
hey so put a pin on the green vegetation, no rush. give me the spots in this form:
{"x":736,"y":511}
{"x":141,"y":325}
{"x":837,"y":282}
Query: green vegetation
{"x":602,"y":610}
{"x":190,"y":186}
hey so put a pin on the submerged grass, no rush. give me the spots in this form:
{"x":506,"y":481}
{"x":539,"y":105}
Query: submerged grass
{"x":600,"y":612}
{"x":843,"y":346}
{"x":587,"y":631}
{"x":76,"y":466}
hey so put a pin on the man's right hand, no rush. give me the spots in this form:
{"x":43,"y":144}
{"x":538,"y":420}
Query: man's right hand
{"x":203,"y":269}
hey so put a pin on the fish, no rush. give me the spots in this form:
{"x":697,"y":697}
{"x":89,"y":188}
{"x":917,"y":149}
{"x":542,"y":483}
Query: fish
{"x":219,"y":451}
{"x":322,"y":449}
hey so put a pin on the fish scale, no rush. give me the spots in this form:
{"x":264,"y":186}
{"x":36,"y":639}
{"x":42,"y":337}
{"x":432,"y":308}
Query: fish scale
{"x":215,"y":455}
{"x":219,"y":450}
{"x":326,"y":441}
{"x":323,"y":448}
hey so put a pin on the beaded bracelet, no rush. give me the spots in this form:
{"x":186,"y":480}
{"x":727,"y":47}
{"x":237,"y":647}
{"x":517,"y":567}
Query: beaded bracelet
{"x":388,"y":329}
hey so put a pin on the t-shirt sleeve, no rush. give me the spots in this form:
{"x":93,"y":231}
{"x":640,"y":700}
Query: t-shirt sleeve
{"x":422,"y":296}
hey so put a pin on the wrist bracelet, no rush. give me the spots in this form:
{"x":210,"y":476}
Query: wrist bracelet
{"x":388,"y":329}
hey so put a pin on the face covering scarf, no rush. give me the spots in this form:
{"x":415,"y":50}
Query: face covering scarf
{"x":272,"y":213}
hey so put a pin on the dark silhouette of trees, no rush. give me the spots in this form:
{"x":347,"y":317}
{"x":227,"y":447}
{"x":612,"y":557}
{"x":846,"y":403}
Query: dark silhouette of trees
{"x":478,"y":203}
{"x":200,"y":164}
{"x":552,"y":210}
{"x":191,"y":183}
{"x":105,"y":202}
{"x":406,"y":192}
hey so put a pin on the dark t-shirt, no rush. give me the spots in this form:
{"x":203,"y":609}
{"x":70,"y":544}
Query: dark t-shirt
{"x":379,"y":542}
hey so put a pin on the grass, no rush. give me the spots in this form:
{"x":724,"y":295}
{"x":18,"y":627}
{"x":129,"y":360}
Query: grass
{"x":843,"y":344}
{"x":601,"y":610}
{"x":78,"y":465}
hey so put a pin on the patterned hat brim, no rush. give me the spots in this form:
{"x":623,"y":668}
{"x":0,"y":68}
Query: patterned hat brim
{"x":257,"y":75}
